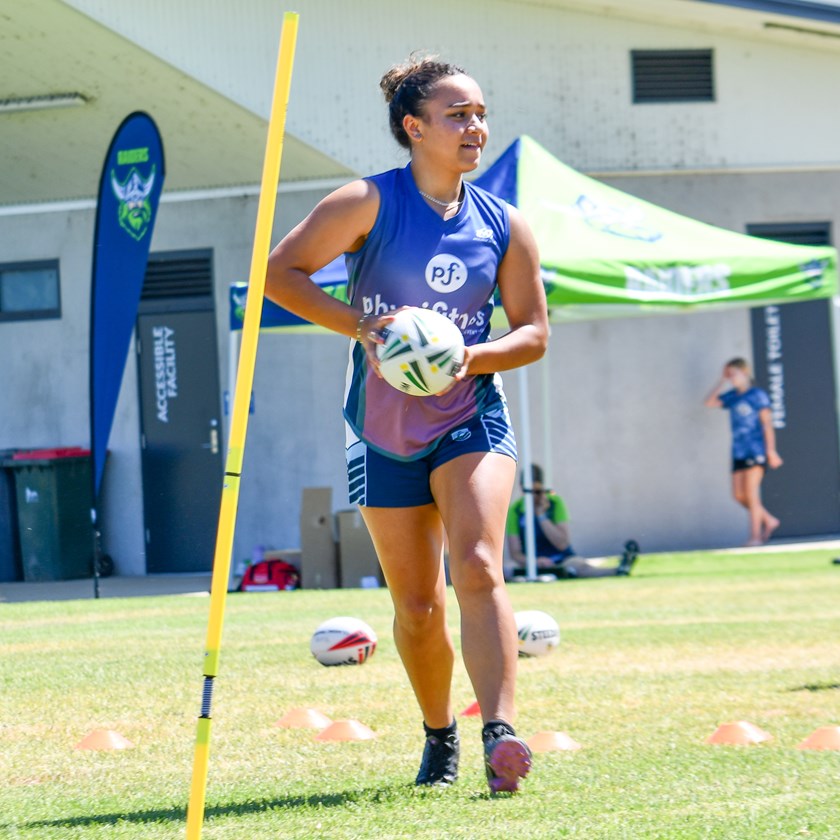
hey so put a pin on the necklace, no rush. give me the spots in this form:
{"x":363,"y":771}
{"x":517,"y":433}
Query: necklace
{"x":439,"y":202}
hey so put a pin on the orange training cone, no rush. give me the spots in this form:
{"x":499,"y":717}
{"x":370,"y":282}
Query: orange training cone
{"x":552,"y":742}
{"x":740,"y":733}
{"x":824,"y":738}
{"x":345,"y":730}
{"x":104,"y":739}
{"x":472,"y":710}
{"x":303,"y":718}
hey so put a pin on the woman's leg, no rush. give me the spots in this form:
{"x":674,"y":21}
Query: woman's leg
{"x":472,"y":493}
{"x":409,"y":544}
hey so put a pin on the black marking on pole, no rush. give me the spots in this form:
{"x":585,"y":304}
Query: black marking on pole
{"x":234,"y":475}
{"x":207,"y":697}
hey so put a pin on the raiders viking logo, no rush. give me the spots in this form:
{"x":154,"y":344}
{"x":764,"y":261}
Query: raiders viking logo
{"x":135,"y":211}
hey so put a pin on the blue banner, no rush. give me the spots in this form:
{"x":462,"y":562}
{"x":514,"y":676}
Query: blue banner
{"x":129,"y":191}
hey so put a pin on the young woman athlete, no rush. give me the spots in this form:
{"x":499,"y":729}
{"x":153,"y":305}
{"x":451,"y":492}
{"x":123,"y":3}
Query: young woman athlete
{"x":753,"y":443}
{"x":421,"y":466}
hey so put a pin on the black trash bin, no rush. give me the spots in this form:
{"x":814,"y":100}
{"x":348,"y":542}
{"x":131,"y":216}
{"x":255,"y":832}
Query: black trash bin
{"x":10,"y":566}
{"x":54,"y":499}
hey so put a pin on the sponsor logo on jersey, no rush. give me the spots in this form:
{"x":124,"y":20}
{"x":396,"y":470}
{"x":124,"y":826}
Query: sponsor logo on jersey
{"x":445,"y":273}
{"x":484,"y":234}
{"x":469,"y":323}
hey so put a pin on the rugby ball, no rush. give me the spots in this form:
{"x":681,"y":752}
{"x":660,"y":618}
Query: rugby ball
{"x":538,"y":632}
{"x":422,"y":352}
{"x":343,"y":641}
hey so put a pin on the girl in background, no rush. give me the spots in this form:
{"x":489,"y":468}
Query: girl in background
{"x":753,"y":443}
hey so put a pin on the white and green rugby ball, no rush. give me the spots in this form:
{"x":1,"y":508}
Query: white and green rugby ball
{"x":538,"y":632}
{"x":423,"y":351}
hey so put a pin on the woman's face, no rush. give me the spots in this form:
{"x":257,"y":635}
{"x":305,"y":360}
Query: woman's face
{"x":453,"y":125}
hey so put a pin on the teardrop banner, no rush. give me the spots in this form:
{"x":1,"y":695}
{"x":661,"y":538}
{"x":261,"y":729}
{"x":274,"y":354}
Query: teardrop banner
{"x":126,"y":210}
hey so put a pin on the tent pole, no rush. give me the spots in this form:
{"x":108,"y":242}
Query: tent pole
{"x":234,"y":343}
{"x":547,"y":447}
{"x":527,"y":484}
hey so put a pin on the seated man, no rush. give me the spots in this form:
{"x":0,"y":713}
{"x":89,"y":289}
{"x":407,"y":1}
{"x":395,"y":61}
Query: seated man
{"x":555,"y":554}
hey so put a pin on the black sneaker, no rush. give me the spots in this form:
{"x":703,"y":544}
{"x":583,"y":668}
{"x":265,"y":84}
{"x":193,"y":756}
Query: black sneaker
{"x":440,"y":759}
{"x":507,"y":758}
{"x":628,"y":558}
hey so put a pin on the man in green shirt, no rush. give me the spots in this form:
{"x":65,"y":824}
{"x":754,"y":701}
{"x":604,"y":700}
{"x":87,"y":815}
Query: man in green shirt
{"x":554,"y":551}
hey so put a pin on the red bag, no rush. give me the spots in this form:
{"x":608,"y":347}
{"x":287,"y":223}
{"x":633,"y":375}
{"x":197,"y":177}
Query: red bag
{"x":270,"y":576}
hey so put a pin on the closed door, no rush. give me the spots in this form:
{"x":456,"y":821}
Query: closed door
{"x":181,"y":439}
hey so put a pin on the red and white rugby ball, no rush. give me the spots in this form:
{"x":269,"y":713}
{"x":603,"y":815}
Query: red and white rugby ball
{"x":343,"y":641}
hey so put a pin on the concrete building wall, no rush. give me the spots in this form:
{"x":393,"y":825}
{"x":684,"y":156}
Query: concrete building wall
{"x":550,"y":70}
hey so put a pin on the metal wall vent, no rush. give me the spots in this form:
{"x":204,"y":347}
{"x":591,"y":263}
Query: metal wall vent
{"x":178,"y":274}
{"x":672,"y":76}
{"x":796,"y":233}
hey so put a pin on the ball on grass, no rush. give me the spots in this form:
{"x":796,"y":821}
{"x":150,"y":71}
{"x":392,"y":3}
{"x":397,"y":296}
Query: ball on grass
{"x":343,"y":640}
{"x":538,"y":632}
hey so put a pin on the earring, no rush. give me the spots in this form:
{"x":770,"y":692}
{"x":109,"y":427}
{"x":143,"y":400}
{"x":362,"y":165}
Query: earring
{"x":418,"y":136}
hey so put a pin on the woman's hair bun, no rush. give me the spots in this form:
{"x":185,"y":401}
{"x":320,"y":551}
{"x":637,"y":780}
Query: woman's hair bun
{"x":406,"y":86}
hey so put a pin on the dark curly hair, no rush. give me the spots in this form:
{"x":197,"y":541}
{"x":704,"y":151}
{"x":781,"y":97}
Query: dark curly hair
{"x":407,"y":86}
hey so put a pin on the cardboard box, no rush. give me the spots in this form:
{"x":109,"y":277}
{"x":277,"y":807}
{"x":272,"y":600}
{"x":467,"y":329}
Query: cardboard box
{"x":356,"y":552}
{"x":318,"y":556}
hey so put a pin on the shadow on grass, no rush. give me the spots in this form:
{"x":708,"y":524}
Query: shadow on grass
{"x":817,"y":687}
{"x":256,"y":806}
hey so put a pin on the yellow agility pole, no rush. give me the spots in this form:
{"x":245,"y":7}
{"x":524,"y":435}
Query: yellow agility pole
{"x":239,"y":418}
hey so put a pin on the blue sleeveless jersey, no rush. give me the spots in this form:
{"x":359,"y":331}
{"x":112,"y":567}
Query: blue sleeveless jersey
{"x":412,"y":257}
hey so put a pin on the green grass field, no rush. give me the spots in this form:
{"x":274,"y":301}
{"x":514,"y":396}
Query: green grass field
{"x":648,"y":667}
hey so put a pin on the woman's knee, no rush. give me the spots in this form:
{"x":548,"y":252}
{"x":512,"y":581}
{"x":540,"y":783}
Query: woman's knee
{"x":477,"y":572}
{"x":419,"y":616}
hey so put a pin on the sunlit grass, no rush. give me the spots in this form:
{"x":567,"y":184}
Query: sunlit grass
{"x":647,"y":668}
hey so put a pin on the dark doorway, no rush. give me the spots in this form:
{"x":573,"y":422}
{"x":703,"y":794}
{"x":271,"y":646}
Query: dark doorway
{"x":178,"y":374}
{"x":794,"y":362}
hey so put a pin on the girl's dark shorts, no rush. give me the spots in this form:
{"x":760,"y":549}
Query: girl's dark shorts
{"x":739,"y":464}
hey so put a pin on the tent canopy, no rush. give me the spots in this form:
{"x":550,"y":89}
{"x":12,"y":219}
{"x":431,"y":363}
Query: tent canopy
{"x":605,"y":253}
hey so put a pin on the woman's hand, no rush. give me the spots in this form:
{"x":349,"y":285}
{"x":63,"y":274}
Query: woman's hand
{"x":464,"y":370}
{"x":774,"y":460}
{"x":541,"y":503}
{"x":369,"y":333}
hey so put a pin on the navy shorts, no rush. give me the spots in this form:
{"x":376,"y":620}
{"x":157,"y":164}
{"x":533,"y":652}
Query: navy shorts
{"x":375,"y":480}
{"x":739,"y":464}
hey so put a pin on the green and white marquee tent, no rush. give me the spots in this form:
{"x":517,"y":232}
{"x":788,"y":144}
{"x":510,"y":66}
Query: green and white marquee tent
{"x":604,"y":252}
